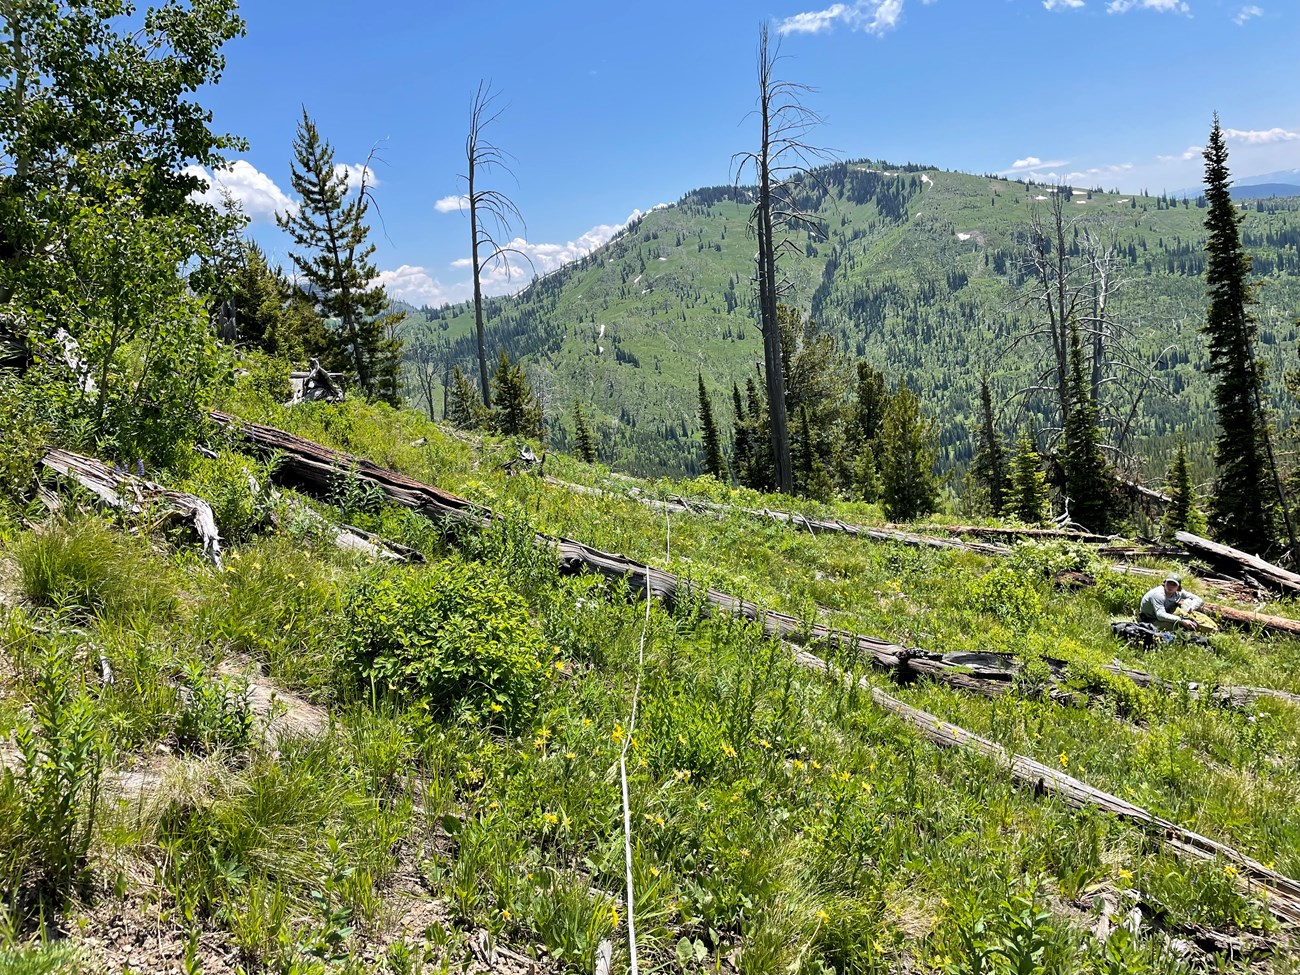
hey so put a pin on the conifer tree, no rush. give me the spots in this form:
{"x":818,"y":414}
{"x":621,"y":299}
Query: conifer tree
{"x":713,"y":462}
{"x":740,"y":451}
{"x":759,"y":472}
{"x":990,"y":463}
{"x":583,"y":441}
{"x":1240,"y":503}
{"x":463,"y":408}
{"x":1088,"y":483}
{"x":1182,"y":513}
{"x":802,"y":454}
{"x":866,"y":476}
{"x":868,"y":407}
{"x":335,"y":260}
{"x":1028,"y":499}
{"x":515,"y":410}
{"x":909,"y":489}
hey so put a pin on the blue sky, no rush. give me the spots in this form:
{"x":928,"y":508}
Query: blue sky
{"x":612,"y":108}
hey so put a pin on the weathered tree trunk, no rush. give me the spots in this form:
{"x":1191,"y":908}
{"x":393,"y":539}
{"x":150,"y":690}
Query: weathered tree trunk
{"x":126,"y":492}
{"x":1241,"y":564}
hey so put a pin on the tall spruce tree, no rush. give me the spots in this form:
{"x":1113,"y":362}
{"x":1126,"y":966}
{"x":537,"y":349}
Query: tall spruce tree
{"x":1028,"y":498}
{"x":330,"y":229}
{"x":740,"y":450}
{"x":909,"y":488}
{"x":1088,"y":482}
{"x":990,"y":463}
{"x":583,"y":441}
{"x":1241,"y":504}
{"x":713,"y":462}
{"x":462,"y":407}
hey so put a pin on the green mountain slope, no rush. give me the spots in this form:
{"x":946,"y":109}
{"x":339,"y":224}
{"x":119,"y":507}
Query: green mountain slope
{"x":919,"y":271}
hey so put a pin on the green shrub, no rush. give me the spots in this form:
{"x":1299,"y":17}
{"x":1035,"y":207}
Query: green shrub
{"x":84,"y":563}
{"x":215,"y":714}
{"x":226,"y":482}
{"x":1053,"y":557}
{"x":455,"y":635}
{"x":1009,"y":595}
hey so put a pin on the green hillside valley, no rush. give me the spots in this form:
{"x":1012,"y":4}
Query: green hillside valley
{"x":855,"y":568}
{"x":926,"y":275}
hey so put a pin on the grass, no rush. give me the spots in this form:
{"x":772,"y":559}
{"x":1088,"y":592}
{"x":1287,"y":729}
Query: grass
{"x":779,"y":820}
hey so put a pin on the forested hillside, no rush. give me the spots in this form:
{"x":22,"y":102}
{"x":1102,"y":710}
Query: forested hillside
{"x":921,"y":272}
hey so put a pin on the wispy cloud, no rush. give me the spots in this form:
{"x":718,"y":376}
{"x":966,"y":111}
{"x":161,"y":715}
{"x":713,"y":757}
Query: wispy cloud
{"x":1159,"y":6}
{"x":1260,"y":137}
{"x":1030,"y":164}
{"x":254,"y":191}
{"x":1063,"y":4}
{"x":871,"y":16}
{"x":451,"y":204}
{"x":1246,"y":12}
{"x":511,"y":274}
{"x":1191,"y":152}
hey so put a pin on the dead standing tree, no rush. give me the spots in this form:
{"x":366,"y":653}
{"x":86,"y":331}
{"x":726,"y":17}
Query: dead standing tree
{"x":491,"y":213}
{"x":1072,"y":288}
{"x":782,"y":161}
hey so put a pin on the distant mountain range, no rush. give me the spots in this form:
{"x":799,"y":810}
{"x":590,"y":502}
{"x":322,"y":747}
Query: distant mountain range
{"x":1284,"y":182}
{"x":919,"y":271}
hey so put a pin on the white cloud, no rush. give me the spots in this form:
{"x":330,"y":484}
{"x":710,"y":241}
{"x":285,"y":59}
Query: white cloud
{"x":1029,"y":164}
{"x":255,"y":192}
{"x":417,"y":286}
{"x":511,"y":274}
{"x":1246,"y":12}
{"x":813,"y":21}
{"x":354,"y":173}
{"x":1063,"y":4}
{"x":871,"y":16}
{"x":1260,"y":137}
{"x":1159,"y":6}
{"x":451,"y":203}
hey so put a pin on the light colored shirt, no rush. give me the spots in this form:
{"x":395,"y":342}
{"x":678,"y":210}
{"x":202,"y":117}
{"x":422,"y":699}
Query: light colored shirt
{"x":1157,"y":606}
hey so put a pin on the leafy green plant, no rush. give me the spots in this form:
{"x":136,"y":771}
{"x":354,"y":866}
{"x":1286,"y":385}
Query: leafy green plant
{"x":236,"y":486}
{"x":456,"y":636}
{"x":215,"y":712}
{"x":1007,"y":595}
{"x":63,"y":761}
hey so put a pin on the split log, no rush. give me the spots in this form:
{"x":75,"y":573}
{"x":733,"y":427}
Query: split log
{"x":126,"y":492}
{"x":1241,"y":563}
{"x":1282,"y":894}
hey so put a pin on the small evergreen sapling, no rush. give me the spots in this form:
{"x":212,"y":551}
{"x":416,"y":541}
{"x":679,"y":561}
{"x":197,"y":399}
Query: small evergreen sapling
{"x":583,"y":441}
{"x":1182,"y":513}
{"x":1028,"y":501}
{"x":909,"y":489}
{"x":516,"y":411}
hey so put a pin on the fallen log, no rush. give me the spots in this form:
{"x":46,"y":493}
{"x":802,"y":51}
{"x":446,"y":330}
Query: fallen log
{"x":1282,"y":894}
{"x":1241,"y":563}
{"x":315,"y":469}
{"x":126,"y":492}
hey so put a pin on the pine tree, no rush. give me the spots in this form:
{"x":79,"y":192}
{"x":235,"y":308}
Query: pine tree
{"x":336,"y":260}
{"x":463,"y":407}
{"x":1240,"y":503}
{"x":802,"y":453}
{"x":909,"y":489}
{"x":1088,"y":483}
{"x":713,"y":462}
{"x":758,"y":473}
{"x":515,"y":410}
{"x":583,"y":441}
{"x":1182,"y":513}
{"x":868,"y":407}
{"x":990,"y":463}
{"x":1028,"y":500}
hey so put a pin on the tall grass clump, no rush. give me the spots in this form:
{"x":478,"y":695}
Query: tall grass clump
{"x":82,"y":563}
{"x":455,"y":636}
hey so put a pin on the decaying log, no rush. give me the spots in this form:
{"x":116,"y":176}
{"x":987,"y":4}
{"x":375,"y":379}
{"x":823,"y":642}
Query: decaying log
{"x":126,"y":492}
{"x":1282,"y":894}
{"x":1240,"y":563}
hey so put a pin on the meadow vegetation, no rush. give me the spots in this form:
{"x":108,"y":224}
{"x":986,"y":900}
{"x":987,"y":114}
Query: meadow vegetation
{"x":478,"y":705}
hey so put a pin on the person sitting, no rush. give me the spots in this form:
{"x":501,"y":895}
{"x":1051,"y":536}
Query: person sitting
{"x":1168,"y":607}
